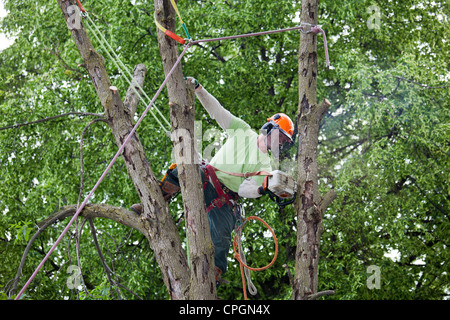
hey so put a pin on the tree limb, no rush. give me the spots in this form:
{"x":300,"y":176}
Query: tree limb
{"x":132,"y":98}
{"x":329,"y":197}
{"x":92,"y":211}
{"x":81,"y":114}
{"x":323,"y":108}
{"x":320,"y":294}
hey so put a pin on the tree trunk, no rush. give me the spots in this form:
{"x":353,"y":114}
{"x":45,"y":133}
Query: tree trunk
{"x":182,"y":116}
{"x":309,"y":204}
{"x":162,"y":232}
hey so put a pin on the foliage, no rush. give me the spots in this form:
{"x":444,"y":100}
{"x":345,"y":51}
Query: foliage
{"x":383,"y":145}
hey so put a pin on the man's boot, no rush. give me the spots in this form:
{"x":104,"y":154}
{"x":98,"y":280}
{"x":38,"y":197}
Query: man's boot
{"x":168,"y":189}
{"x":137,"y":208}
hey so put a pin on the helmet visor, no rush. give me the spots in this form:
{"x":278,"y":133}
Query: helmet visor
{"x":278,"y":138}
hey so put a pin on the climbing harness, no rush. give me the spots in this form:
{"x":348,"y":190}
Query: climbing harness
{"x":231,"y":198}
{"x":225,"y":196}
{"x":239,"y":256}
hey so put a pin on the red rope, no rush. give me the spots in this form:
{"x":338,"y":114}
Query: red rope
{"x":80,"y":6}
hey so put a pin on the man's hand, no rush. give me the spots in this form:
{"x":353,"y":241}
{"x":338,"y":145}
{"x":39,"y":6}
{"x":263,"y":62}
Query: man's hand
{"x":263,"y":191}
{"x":193,"y":84}
{"x":249,"y":189}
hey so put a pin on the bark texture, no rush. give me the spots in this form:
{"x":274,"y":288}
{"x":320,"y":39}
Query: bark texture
{"x":161,"y":231}
{"x":182,"y":116}
{"x":309,"y":204}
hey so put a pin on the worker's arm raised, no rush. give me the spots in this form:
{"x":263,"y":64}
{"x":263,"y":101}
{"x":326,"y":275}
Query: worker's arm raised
{"x":215,"y":109}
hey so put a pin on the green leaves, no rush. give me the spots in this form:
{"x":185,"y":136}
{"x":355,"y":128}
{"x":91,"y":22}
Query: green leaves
{"x":383,"y":146}
{"x":22,"y":229}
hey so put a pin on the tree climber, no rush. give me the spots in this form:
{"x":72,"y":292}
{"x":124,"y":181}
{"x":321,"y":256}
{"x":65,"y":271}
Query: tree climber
{"x":245,"y":151}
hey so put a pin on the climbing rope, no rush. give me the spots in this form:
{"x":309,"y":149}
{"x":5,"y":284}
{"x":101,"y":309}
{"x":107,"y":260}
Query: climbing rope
{"x":239,"y":254}
{"x":121,"y":67}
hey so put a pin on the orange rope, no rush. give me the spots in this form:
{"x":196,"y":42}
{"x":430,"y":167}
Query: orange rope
{"x":80,"y":6}
{"x":238,"y":257}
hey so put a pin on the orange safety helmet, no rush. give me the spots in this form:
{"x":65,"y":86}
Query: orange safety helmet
{"x":282,"y":122}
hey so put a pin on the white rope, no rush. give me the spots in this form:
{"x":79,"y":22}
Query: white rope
{"x":251,"y":287}
{"x":120,"y":65}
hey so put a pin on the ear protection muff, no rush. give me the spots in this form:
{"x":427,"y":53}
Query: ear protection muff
{"x":267,"y":127}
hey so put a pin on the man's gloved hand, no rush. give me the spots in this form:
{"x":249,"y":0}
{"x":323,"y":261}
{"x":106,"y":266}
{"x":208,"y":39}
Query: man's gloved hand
{"x":249,"y":189}
{"x":263,"y":191}
{"x":193,"y":83}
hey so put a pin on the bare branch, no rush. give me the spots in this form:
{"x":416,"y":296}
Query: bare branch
{"x":81,"y":114}
{"x":64,"y":64}
{"x":327,"y":199}
{"x":132,"y":98}
{"x":118,"y":214}
{"x":102,"y":258}
{"x":77,"y":250}
{"x":40,"y":230}
{"x":425,"y":86}
{"x":213,"y":51}
{"x":320,"y":294}
{"x":291,"y":279}
{"x":323,"y":108}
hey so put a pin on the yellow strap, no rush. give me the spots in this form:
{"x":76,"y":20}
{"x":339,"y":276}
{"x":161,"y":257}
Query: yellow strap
{"x":170,"y":33}
{"x":176,"y":10}
{"x":158,"y":25}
